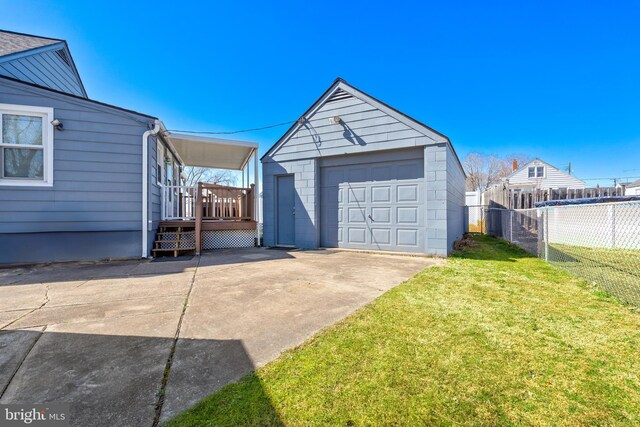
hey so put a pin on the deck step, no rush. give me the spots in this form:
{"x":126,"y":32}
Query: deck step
{"x":164,"y":233}
{"x":192,"y":248}
{"x":178,"y":238}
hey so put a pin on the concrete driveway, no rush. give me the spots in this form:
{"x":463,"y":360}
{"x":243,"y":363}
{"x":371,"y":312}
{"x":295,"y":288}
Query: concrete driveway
{"x":102,"y":336}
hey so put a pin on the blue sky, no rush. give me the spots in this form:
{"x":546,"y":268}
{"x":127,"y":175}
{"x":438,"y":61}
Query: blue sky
{"x":555,"y":80}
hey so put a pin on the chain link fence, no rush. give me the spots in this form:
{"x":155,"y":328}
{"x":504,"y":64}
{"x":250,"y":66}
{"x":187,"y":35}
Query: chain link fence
{"x":598,"y":242}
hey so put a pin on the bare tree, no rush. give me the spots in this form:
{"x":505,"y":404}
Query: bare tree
{"x":484,"y":171}
{"x":194,"y":175}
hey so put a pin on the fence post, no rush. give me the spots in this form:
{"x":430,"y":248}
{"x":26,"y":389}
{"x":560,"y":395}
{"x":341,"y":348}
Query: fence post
{"x":199,"y":219}
{"x":540,"y":230}
{"x":511,"y":225}
{"x":545,"y":215}
{"x":612,"y":214}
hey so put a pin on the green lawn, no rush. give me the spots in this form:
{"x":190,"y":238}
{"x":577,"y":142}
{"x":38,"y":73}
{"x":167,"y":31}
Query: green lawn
{"x":614,"y":270}
{"x":495,"y":337}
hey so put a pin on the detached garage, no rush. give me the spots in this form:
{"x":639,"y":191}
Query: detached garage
{"x":355,"y":173}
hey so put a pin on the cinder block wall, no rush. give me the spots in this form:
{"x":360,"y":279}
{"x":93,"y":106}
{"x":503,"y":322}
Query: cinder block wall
{"x":455,"y":200}
{"x":445,"y":199}
{"x":435,"y":159}
{"x":305,"y":173}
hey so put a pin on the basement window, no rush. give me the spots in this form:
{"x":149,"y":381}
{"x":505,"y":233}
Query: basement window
{"x":26,"y":145}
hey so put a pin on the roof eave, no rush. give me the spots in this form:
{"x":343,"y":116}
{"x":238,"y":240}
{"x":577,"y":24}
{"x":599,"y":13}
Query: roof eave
{"x":81,"y":98}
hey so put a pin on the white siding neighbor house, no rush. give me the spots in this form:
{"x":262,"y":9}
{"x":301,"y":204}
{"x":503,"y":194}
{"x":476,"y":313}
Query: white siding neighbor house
{"x":632,"y":189}
{"x":538,"y":174}
{"x":355,"y":173}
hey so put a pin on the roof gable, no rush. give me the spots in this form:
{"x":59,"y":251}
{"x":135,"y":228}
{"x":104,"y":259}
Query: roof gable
{"x":534,"y":161}
{"x":340,"y":90}
{"x":40,"y":60}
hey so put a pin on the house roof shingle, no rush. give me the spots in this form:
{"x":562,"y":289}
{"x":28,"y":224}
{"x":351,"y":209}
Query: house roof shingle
{"x":11,"y":42}
{"x":633,"y":184}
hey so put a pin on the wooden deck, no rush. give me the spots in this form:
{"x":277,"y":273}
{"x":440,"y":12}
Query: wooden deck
{"x":205,"y":207}
{"x":211,"y":224}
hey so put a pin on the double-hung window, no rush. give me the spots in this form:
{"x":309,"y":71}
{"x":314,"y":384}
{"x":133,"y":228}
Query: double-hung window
{"x":26,"y":145}
{"x":536,"y":172}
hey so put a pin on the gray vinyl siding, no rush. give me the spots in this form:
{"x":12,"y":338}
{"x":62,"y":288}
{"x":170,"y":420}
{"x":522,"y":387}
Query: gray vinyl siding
{"x":97,"y":178}
{"x":44,"y":68}
{"x":366,"y":129}
{"x":554,"y":178}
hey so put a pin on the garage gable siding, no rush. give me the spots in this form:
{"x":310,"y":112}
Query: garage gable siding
{"x":362,"y":128}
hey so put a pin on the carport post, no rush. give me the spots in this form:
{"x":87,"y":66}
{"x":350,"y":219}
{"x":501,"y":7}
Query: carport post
{"x":256,"y":198}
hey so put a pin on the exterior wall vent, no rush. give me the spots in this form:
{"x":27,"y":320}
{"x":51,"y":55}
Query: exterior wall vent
{"x":63,"y":55}
{"x":339,"y":95}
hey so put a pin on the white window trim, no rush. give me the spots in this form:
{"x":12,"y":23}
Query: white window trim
{"x":47,"y":140}
{"x":159,"y":161}
{"x":535,"y":172}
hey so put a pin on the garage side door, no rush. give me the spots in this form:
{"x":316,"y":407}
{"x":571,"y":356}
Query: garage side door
{"x":361,"y":211}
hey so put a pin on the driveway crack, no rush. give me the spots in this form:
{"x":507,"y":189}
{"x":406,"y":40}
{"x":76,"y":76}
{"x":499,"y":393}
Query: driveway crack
{"x":45,"y":302}
{"x":13,"y":374}
{"x":167,"y":368}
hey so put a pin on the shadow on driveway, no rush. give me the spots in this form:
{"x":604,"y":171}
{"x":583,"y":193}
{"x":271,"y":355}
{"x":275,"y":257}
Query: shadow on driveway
{"x":110,"y":380}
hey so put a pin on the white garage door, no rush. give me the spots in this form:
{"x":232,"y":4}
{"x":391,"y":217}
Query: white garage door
{"x":376,"y":206}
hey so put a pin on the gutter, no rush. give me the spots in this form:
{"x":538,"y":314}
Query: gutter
{"x":157,"y":124}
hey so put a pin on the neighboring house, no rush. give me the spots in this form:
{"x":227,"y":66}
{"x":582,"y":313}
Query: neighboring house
{"x":538,"y":174}
{"x":85,"y":180}
{"x":632,"y":189}
{"x":353,"y":172}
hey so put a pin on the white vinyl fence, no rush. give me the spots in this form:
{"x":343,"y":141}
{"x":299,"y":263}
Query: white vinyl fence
{"x":599,"y":242}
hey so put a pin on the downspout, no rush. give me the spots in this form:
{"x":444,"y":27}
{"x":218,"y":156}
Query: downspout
{"x":145,"y":185}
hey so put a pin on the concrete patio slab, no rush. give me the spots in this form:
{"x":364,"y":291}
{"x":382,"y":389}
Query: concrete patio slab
{"x":108,"y":330}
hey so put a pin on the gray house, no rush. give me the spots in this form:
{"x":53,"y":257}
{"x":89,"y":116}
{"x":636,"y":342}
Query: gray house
{"x":85,"y":180}
{"x":354,"y":172}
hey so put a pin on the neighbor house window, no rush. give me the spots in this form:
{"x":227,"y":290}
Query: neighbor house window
{"x":536,"y":172}
{"x":26,"y":145}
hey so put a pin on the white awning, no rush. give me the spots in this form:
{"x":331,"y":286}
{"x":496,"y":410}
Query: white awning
{"x":209,"y":152}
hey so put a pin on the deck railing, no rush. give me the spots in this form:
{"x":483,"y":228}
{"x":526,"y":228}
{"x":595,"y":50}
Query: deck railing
{"x":178,"y":202}
{"x":207,"y":202}
{"x":219,"y":202}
